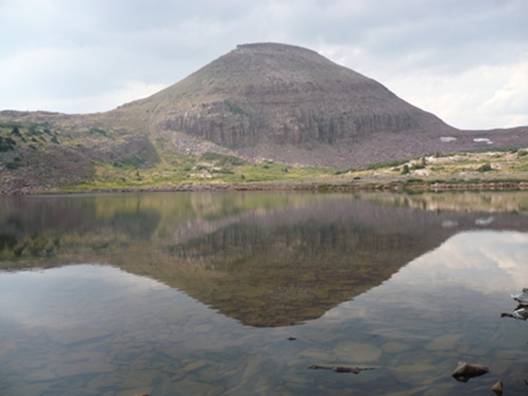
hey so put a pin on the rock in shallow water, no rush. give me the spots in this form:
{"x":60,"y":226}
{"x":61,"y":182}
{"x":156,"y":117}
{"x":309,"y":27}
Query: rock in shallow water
{"x":340,"y":369}
{"x":497,"y":388}
{"x":465,"y":371}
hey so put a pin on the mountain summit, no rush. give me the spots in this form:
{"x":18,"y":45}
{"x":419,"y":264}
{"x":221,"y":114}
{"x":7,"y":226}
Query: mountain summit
{"x":259,"y":101}
{"x":275,"y":94}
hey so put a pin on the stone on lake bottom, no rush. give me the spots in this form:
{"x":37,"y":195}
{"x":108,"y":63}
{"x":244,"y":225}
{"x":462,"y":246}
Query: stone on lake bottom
{"x":497,"y":388}
{"x":465,"y":371}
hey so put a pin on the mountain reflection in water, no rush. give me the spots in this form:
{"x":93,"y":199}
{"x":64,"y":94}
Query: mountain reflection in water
{"x":196,"y":293}
{"x":265,"y":259}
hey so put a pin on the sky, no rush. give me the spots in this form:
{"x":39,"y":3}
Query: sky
{"x":464,"y":60}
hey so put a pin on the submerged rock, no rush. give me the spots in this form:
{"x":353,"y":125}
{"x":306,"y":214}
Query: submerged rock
{"x":340,"y":369}
{"x":497,"y":388}
{"x":465,"y":371}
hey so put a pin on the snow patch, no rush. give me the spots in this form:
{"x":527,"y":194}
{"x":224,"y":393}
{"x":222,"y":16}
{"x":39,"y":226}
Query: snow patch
{"x":447,"y":139}
{"x":483,"y":140}
{"x":484,"y":221}
{"x":449,"y":223}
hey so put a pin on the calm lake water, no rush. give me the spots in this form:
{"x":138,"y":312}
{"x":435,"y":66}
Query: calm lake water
{"x":198,"y":293}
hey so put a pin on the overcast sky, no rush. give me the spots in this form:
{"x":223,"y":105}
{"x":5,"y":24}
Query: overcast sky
{"x":464,"y":60}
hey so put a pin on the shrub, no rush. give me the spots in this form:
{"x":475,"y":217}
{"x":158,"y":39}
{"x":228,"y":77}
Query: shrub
{"x":225,"y":171}
{"x":6,"y":144}
{"x":485,"y":168}
{"x":405,"y":170}
{"x":133,"y":162}
{"x":15,"y":131}
{"x":222,"y":159}
{"x":233,"y":108}
{"x":37,"y":129}
{"x":99,"y":131}
{"x":385,"y":164}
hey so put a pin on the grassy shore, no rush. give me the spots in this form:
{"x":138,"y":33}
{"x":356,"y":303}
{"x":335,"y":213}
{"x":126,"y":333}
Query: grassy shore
{"x":497,"y":170}
{"x":22,"y":143}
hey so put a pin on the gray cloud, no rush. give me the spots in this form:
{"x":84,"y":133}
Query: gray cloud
{"x":80,"y":56}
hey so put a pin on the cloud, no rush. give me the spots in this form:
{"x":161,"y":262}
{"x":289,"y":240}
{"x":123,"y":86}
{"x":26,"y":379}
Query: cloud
{"x":487,"y":96}
{"x":130,"y":90}
{"x":484,"y":261}
{"x":462,"y":60}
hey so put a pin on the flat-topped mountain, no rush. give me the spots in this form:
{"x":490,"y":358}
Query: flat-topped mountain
{"x":259,"y":101}
{"x":281,"y":94}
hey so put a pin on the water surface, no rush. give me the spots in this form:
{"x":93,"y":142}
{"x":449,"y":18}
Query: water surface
{"x":197,"y":293}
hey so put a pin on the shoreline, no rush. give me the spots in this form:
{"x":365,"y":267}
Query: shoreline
{"x":410,"y":186}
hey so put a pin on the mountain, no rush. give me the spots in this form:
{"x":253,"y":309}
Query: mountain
{"x":260,"y":101}
{"x":280,"y":94}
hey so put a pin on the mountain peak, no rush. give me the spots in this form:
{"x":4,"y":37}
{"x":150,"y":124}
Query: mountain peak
{"x":263,"y":94}
{"x":272,"y":47}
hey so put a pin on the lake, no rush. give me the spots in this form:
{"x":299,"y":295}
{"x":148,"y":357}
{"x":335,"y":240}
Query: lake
{"x":240,"y":293}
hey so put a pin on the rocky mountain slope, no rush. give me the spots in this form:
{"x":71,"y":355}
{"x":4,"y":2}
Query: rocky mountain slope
{"x":259,"y":101}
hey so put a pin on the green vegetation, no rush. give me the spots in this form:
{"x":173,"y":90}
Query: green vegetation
{"x":234,"y":108}
{"x":220,"y":169}
{"x":131,"y":162}
{"x":485,"y":168}
{"x":13,"y":165}
{"x":15,"y":131}
{"x":98,"y":131}
{"x":143,"y":168}
{"x":210,"y":168}
{"x":7,"y":144}
{"x":388,"y":164}
{"x":222,"y":159}
{"x":21,"y":135}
